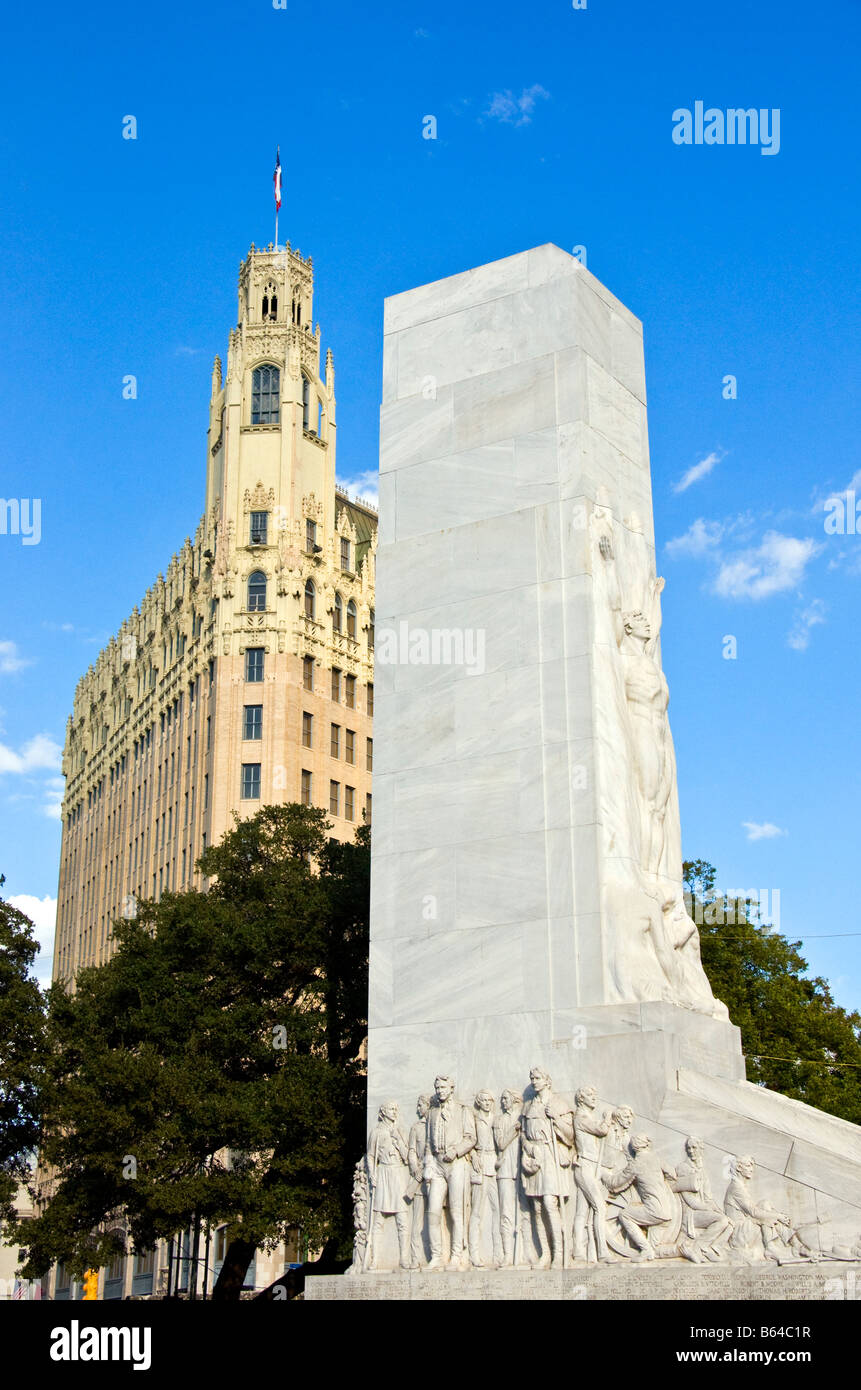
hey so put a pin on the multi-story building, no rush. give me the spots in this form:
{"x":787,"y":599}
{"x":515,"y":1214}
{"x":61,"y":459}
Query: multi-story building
{"x":245,"y":676}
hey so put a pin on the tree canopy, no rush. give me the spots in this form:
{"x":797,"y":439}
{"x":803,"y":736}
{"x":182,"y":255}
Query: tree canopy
{"x":212,"y":1067}
{"x":22,"y":1024}
{"x":796,"y":1039}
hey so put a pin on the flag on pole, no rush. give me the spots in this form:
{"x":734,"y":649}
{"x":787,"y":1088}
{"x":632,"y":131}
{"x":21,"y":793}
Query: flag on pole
{"x":276,"y":178}
{"x":18,"y":1291}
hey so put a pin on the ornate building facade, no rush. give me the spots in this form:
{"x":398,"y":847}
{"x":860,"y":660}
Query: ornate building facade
{"x":245,"y":676}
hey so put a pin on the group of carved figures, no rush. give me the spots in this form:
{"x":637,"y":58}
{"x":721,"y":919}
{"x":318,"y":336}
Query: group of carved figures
{"x":539,"y":1184}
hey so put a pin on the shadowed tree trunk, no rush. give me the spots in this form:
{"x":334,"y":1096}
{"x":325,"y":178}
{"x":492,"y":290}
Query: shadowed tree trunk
{"x":231,"y":1276}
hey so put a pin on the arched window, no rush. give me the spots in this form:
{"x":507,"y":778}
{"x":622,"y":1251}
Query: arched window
{"x":306,"y":403}
{"x":257,"y":592}
{"x":269,"y":306}
{"x":265,"y":392}
{"x":338,"y":615}
{"x":371,"y":632}
{"x":351,"y":620}
{"x":310,"y":599}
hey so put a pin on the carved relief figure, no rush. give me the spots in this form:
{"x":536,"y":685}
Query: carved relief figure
{"x":388,"y":1174}
{"x":758,"y":1229}
{"x":617,"y":1144}
{"x":655,"y":1204}
{"x":590,"y":1131}
{"x":417,"y":1189}
{"x":546,"y":1144}
{"x":506,"y":1135}
{"x":654,"y":945}
{"x":450,"y":1137}
{"x":703,"y":1222}
{"x":361,"y":1217}
{"x":484,"y":1196}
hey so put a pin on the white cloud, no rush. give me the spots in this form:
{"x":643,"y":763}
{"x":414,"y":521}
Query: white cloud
{"x":54,"y":791}
{"x":698,"y":470}
{"x":10,"y":660}
{"x":799,"y":634}
{"x":38,"y":752}
{"x":775,"y":565}
{"x":43,"y":914}
{"x":365,"y":486}
{"x":700,"y":538}
{"x":514,"y":110}
{"x":764,"y":831}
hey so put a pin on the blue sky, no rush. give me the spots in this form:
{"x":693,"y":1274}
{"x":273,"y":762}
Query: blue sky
{"x":553,"y":124}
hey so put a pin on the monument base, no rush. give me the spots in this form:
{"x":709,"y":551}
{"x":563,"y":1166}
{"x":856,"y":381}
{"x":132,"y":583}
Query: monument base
{"x":671,"y":1281}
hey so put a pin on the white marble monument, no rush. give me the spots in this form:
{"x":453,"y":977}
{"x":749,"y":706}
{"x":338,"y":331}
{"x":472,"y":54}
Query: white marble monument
{"x":526,"y":903}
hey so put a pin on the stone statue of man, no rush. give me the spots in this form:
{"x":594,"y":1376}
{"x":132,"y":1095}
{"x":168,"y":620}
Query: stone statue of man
{"x":646,"y":1174}
{"x":590,"y":1131}
{"x":450,"y":1138}
{"x":417,"y":1147}
{"x":506,"y":1136}
{"x":706,"y":1227}
{"x":388,"y":1174}
{"x":485,"y":1199}
{"x":546,"y":1143}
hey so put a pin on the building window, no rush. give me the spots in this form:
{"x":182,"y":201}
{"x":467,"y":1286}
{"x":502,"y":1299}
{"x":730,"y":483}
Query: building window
{"x":345,"y":553}
{"x":370,"y":699}
{"x":308,"y":672}
{"x":144,"y":1262}
{"x":350,"y":684}
{"x":337,"y":614}
{"x":306,"y":403}
{"x":250,"y":782}
{"x":256,"y":592}
{"x":310,"y":599}
{"x":252,"y":724}
{"x":205,"y":802}
{"x":259,"y":528}
{"x":335,"y":798}
{"x":265,"y":389}
{"x":336,"y":684}
{"x":349,"y":803}
{"x":306,"y":788}
{"x":307,"y":730}
{"x":270,"y":304}
{"x":350,"y":746}
{"x":253,"y":665}
{"x":335,"y":741}
{"x":310,"y":535}
{"x":367,"y":808}
{"x":351,"y":620}
{"x":369,"y":754}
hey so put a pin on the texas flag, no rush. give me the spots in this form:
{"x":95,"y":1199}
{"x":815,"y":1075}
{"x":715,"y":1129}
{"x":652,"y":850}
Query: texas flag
{"x":277,"y":179}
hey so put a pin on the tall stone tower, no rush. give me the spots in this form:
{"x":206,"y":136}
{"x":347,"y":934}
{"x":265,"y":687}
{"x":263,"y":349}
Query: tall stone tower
{"x":245,"y":676}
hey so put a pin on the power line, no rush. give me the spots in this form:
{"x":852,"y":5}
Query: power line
{"x":808,"y":1062}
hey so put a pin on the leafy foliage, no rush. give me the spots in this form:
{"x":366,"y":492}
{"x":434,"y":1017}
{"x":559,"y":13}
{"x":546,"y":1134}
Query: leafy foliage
{"x":212,"y":1067}
{"x":22,"y":1022}
{"x":781,"y":1011}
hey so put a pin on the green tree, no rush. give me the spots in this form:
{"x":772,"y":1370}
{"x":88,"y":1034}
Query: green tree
{"x":796,"y":1039}
{"x":22,"y":1024}
{"x":211,"y":1069}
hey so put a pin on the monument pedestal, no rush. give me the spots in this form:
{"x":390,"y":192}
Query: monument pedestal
{"x":672,"y":1281}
